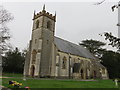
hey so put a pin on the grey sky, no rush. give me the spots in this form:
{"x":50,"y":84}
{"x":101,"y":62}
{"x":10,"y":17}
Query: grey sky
{"x":76,"y":21}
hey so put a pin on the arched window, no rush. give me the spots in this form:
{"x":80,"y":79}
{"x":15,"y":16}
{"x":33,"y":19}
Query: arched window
{"x":48,"y":24}
{"x":37,"y":23}
{"x":76,"y":67}
{"x":57,"y":59}
{"x":34,"y":56}
{"x":64,"y":62}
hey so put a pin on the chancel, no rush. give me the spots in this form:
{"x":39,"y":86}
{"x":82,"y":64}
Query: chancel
{"x":53,"y":57}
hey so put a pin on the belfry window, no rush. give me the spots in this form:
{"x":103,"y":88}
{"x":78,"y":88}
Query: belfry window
{"x":47,"y":41}
{"x":64,"y":62}
{"x":37,"y":23}
{"x":48,"y":24}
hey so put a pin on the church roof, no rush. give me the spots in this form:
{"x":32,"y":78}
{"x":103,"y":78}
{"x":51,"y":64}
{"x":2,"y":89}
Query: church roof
{"x":68,"y":47}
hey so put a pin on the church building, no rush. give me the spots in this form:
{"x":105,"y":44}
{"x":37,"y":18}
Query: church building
{"x":53,"y":57}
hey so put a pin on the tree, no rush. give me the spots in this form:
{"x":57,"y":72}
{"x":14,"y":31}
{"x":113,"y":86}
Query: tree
{"x":113,"y":7}
{"x":93,"y":46}
{"x":13,"y":61}
{"x":111,"y":60}
{"x":98,"y":3}
{"x":113,"y":41}
{"x":5,"y":17}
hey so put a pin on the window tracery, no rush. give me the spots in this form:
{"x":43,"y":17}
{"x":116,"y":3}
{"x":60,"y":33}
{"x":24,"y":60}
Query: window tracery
{"x":64,"y":63}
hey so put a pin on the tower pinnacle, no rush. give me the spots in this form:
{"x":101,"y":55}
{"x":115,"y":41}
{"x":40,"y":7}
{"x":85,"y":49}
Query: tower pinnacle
{"x":44,"y":7}
{"x":55,"y":13}
{"x":34,"y":14}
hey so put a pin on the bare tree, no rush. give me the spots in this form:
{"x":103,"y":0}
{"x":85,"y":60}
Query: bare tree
{"x":113,"y":7}
{"x":98,"y":3}
{"x":5,"y":17}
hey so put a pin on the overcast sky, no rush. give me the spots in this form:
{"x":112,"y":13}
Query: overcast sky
{"x":76,"y":21}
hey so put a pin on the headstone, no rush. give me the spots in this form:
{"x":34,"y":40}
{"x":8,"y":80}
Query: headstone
{"x":116,"y":82}
{"x":24,"y":78}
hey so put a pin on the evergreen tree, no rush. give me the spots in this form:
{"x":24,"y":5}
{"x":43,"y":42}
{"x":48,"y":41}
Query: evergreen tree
{"x":111,"y":60}
{"x":94,"y":46}
{"x":13,"y":61}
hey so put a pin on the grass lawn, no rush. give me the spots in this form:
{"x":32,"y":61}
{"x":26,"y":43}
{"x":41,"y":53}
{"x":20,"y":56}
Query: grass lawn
{"x":52,"y":83}
{"x":38,"y":83}
{"x":12,"y":75}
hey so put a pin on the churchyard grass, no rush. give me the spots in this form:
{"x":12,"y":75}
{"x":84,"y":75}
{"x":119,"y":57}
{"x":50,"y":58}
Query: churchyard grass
{"x":12,"y":74}
{"x":52,"y":83}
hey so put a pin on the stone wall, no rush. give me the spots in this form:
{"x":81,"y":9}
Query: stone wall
{"x":70,"y":61}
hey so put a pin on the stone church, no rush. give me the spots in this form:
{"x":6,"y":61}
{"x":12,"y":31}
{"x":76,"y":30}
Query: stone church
{"x":53,"y":57}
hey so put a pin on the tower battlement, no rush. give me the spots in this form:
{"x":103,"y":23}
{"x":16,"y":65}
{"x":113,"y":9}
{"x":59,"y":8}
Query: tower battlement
{"x":44,"y":13}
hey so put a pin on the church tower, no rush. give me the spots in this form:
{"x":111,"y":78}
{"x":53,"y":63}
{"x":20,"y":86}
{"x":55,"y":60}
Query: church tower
{"x":41,"y":44}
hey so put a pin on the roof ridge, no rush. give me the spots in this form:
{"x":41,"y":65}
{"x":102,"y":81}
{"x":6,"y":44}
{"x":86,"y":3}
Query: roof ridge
{"x":68,"y":41}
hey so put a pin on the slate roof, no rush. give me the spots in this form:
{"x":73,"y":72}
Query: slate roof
{"x":68,"y":47}
{"x":98,"y":64}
